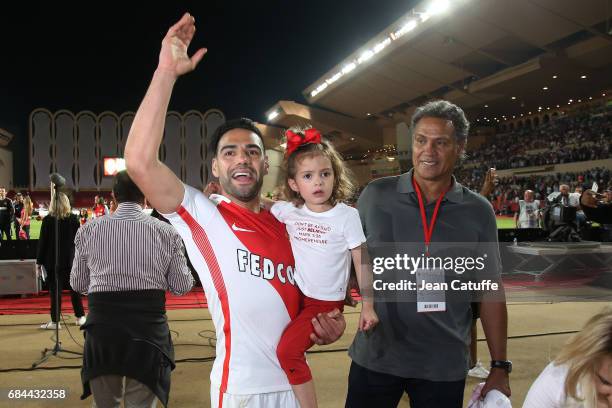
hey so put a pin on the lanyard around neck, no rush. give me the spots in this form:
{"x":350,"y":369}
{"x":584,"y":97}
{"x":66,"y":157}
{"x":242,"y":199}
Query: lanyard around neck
{"x":428,"y":229}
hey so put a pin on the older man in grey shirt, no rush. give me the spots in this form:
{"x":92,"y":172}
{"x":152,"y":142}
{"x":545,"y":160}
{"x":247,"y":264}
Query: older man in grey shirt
{"x":421,"y":347}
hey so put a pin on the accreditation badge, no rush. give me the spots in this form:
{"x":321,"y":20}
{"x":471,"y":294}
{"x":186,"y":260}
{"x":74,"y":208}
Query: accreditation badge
{"x":431,"y":290}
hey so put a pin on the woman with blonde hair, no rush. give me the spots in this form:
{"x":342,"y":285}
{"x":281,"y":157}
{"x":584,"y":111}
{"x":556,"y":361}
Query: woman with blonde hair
{"x":581,"y":375}
{"x":68,"y":224}
{"x":24,"y":218}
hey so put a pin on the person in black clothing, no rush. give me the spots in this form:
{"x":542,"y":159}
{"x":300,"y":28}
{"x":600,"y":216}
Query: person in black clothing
{"x":17,"y":206}
{"x":6,"y":214}
{"x":595,"y":210}
{"x":68,"y":226}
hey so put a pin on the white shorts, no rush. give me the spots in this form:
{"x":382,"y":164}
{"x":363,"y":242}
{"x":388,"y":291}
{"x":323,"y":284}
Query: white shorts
{"x":279,"y":399}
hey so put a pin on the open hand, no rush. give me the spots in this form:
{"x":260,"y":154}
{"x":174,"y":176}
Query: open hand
{"x":173,"y":56}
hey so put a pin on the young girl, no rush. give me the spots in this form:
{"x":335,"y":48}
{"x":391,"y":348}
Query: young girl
{"x":324,"y":235}
{"x":24,"y":218}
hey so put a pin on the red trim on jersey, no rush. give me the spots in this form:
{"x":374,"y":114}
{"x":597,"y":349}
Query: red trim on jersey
{"x":201,"y":240}
{"x":263,"y":234}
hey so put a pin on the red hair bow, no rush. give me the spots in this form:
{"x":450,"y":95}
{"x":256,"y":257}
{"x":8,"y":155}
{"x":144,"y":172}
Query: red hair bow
{"x":295,"y":140}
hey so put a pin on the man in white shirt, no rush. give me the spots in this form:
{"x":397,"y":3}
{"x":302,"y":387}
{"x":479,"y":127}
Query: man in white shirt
{"x":239,"y":250}
{"x":567,"y":198}
{"x":529,"y":213}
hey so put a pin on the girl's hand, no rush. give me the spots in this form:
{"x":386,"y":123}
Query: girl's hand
{"x":368,"y":319}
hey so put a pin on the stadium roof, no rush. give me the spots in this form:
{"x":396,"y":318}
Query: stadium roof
{"x":477,"y":53}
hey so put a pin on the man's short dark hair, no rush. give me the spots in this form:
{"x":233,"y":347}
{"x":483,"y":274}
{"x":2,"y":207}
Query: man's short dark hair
{"x":125,"y":190}
{"x":241,"y":123}
{"x":443,"y":110}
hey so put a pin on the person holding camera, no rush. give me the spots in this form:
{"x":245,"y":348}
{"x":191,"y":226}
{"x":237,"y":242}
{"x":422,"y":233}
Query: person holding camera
{"x":597,"y":207}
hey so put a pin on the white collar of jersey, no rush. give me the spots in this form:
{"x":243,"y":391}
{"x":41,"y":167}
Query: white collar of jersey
{"x":217,"y":198}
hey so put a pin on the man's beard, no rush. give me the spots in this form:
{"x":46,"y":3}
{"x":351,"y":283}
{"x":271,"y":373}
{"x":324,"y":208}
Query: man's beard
{"x":245,"y":193}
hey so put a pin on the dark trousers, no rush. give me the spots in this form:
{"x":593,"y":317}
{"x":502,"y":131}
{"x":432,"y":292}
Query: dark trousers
{"x":6,"y":230}
{"x":369,"y":388}
{"x":17,"y":228}
{"x":77,"y":304}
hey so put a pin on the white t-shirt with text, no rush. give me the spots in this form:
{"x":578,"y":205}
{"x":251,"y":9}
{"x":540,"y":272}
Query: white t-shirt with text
{"x":528,"y":215}
{"x":321,"y":244}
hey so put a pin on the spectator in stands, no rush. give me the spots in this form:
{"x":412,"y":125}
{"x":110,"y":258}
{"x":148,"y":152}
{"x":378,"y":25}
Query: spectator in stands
{"x":581,"y":375}
{"x":564,"y":140}
{"x":17,"y":207}
{"x":68,"y":225}
{"x":529,"y":213}
{"x":126,"y":262}
{"x":24,"y":218}
{"x":6,"y":214}
{"x":83,"y":215}
{"x":99,"y":209}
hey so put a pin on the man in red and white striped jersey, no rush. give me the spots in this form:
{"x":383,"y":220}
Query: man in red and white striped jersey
{"x":241,"y":252}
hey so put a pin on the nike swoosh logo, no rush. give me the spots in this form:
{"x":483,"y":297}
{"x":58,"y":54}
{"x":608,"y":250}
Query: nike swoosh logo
{"x":235,"y":228}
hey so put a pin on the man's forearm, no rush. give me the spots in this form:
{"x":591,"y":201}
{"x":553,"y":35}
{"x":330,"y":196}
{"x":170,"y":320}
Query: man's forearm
{"x":157,"y":182}
{"x":79,"y":275}
{"x":494,"y":318}
{"x":363,"y":272}
{"x":144,"y":140}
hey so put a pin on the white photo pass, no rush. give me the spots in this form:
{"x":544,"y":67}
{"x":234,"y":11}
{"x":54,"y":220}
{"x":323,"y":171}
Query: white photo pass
{"x":431,"y":293}
{"x":595,"y":187}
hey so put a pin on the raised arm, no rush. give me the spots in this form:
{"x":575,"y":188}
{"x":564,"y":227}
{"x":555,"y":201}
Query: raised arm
{"x":491,"y":180}
{"x":159,"y":184}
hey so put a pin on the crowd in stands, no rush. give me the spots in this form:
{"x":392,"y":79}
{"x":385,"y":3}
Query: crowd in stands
{"x":509,"y":190}
{"x":583,"y":137}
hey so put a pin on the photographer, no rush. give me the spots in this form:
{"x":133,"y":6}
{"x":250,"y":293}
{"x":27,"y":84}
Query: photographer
{"x":564,"y":197}
{"x":560,"y":216}
{"x":597,"y":207}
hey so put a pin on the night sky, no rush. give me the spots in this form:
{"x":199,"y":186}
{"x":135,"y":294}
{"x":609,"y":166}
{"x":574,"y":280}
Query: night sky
{"x":100,"y":55}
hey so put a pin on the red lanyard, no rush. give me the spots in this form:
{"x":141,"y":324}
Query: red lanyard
{"x":427,"y":230}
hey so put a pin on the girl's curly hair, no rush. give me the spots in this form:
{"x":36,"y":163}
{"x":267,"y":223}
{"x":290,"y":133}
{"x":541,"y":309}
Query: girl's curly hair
{"x":344,"y":186}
